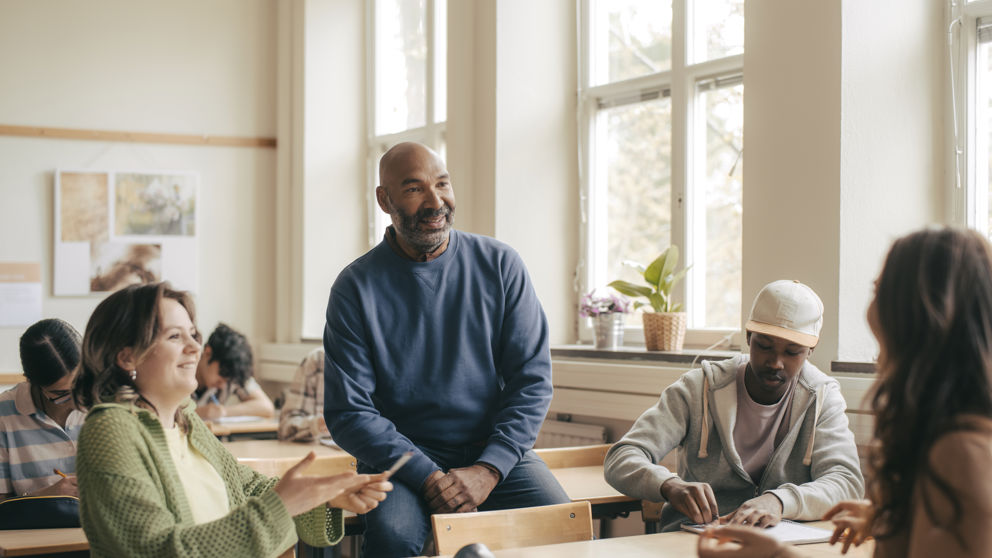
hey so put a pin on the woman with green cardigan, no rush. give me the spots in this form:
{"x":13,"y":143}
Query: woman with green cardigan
{"x":153,"y":480}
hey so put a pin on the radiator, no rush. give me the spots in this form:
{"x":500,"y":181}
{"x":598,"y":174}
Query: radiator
{"x":559,"y":434}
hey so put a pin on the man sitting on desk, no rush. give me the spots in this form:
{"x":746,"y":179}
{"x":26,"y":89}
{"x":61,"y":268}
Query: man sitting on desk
{"x":760,"y":437}
{"x":225,"y":370}
{"x":436,"y":343}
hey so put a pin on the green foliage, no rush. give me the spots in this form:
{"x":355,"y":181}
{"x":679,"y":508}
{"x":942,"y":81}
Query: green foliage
{"x":660,"y":277}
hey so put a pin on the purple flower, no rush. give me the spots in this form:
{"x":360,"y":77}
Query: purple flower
{"x":591,"y":305}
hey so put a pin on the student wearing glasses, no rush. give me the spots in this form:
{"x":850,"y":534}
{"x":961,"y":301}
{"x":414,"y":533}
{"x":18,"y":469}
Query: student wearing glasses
{"x":39,"y":422}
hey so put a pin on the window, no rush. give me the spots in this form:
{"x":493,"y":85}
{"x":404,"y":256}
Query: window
{"x":407,"y":84}
{"x":662,"y":94}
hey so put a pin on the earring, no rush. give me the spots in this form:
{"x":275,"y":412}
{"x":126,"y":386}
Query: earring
{"x":134,"y":375}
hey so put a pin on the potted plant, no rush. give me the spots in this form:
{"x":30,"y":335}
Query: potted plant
{"x":664,"y":327}
{"x":607,"y":313}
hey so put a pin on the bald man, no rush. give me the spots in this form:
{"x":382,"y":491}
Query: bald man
{"x":436,"y":344}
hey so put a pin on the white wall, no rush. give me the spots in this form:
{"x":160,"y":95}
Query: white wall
{"x":536,"y":203}
{"x":843,"y":124}
{"x":893,"y":79}
{"x":792,"y":131}
{"x":332,"y":170}
{"x":180,"y":67}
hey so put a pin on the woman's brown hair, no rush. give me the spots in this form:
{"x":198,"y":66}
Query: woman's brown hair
{"x":933,"y":316}
{"x":128,"y":318}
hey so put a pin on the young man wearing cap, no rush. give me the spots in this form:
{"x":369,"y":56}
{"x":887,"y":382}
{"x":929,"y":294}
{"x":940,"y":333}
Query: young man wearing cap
{"x":760,"y":437}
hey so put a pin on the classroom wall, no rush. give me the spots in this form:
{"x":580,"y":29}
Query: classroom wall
{"x":184,"y":66}
{"x":892,"y":159}
{"x":332,"y":133}
{"x":536,"y":205}
{"x":843,"y":122}
{"x":792,"y":115}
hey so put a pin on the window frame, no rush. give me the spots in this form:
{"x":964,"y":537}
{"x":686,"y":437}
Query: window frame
{"x":679,"y":83}
{"x":431,"y":134}
{"x":966,"y":195}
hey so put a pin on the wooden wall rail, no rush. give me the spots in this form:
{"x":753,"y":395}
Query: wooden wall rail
{"x":137,"y":137}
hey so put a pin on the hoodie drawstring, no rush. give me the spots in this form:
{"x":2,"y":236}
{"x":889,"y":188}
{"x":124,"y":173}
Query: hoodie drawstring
{"x":818,"y":406}
{"x":704,"y":438}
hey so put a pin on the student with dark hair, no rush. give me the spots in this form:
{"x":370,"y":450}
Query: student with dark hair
{"x":153,"y":480}
{"x":39,"y":422}
{"x":928,"y":484}
{"x":226,"y":371}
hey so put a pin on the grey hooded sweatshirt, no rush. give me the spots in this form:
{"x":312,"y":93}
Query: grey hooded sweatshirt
{"x":814,"y":467}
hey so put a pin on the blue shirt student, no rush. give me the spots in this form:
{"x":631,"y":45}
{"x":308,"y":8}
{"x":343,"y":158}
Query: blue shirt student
{"x":447,"y":358}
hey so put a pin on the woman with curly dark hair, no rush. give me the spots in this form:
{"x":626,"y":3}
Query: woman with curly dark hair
{"x":930,"y":489}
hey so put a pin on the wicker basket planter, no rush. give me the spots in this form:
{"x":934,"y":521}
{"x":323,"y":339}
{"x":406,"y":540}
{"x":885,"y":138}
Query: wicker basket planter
{"x":664,"y":331}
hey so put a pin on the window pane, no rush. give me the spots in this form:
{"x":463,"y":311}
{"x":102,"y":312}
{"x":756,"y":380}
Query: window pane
{"x":400,"y":65}
{"x":440,"y":60}
{"x":981,"y":212}
{"x":717,"y":29}
{"x":629,"y":38}
{"x":636,"y":152}
{"x":717,"y":241}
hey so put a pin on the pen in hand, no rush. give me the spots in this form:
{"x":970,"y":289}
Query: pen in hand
{"x":213,"y":399}
{"x":60,"y":473}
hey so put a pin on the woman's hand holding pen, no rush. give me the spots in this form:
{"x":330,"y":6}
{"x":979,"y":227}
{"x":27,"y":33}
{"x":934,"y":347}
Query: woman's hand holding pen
{"x":66,"y":486}
{"x":301,"y":493}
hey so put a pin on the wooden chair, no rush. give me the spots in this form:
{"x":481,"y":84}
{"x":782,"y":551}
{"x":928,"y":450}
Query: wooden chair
{"x":513,"y":528}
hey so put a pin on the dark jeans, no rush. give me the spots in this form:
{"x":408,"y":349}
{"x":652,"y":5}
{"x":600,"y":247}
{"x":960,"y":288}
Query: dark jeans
{"x":400,"y":524}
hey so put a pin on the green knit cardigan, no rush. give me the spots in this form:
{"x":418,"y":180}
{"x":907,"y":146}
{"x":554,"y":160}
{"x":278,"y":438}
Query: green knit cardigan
{"x":132,"y":502}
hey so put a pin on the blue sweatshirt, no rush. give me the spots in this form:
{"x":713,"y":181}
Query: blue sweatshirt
{"x":450,"y":352}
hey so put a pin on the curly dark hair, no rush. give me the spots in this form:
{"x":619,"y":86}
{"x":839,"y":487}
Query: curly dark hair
{"x":232,"y":350}
{"x":49,"y":351}
{"x":932,"y":315}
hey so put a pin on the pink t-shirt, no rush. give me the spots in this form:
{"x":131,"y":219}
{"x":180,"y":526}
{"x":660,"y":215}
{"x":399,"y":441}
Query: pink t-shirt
{"x":759,"y":428}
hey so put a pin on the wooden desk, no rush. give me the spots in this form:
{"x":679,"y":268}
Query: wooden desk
{"x":36,"y":542}
{"x":274,"y":449}
{"x":261,"y":428}
{"x":274,"y":458}
{"x":661,"y":545}
{"x":587,"y":484}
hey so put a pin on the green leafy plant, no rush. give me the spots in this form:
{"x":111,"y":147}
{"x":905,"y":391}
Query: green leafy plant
{"x":660,"y":276}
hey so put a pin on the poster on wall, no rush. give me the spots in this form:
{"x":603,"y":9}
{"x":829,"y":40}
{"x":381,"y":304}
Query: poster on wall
{"x":118,"y":228}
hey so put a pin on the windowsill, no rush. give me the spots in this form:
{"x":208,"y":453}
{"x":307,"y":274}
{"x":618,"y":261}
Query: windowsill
{"x":686,"y":355}
{"x":635,"y":353}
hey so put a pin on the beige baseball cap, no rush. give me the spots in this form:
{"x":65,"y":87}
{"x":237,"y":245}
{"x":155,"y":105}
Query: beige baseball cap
{"x":787,"y":309}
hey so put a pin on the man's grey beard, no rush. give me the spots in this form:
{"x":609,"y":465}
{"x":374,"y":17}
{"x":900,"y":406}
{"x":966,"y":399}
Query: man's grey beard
{"x":423,"y":242}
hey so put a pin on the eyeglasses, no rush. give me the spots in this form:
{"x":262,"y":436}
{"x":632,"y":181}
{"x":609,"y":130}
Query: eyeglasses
{"x":57,"y":396}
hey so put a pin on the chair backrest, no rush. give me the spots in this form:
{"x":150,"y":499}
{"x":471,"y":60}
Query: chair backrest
{"x":322,"y":465}
{"x":575,"y":456}
{"x":513,"y":528}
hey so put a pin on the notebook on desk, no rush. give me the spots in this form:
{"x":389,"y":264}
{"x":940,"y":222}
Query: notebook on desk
{"x":786,"y":531}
